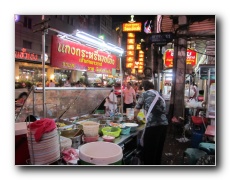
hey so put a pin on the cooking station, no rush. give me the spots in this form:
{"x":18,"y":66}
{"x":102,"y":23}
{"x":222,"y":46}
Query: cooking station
{"x":73,"y":105}
{"x":129,"y":144}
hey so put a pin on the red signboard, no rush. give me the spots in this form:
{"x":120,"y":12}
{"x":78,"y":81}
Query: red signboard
{"x":168,"y":57}
{"x":66,"y":54}
{"x":26,"y":55}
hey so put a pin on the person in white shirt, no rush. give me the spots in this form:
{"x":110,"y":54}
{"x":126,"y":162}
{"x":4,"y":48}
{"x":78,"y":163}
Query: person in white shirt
{"x":111,"y":103}
{"x":129,"y":96}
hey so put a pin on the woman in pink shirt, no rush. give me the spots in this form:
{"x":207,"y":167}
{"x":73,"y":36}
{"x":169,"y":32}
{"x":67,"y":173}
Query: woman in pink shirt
{"x":129,"y":97}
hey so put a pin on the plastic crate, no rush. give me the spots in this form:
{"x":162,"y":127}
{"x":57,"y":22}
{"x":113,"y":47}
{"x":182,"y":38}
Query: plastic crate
{"x":197,"y":120}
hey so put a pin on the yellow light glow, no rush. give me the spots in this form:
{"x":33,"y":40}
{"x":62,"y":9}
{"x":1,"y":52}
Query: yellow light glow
{"x":130,"y":59}
{"x":131,"y":35}
{"x":141,"y":63}
{"x":130,"y":41}
{"x":140,"y":67}
{"x":129,"y":65}
{"x":141,"y":52}
{"x":130,"y":47}
{"x":141,"y":55}
{"x":52,"y":76}
{"x":141,"y":59}
{"x":140,"y":71}
{"x":138,"y":47}
{"x":130,"y":53}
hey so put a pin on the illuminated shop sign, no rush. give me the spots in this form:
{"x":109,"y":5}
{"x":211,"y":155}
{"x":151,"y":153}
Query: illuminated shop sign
{"x":26,"y":55}
{"x":131,"y":27}
{"x":130,"y":50}
{"x":168,"y":57}
{"x":70,"y":55}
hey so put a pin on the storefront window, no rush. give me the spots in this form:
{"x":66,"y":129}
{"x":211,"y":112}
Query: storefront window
{"x":31,"y":74}
{"x":60,"y":76}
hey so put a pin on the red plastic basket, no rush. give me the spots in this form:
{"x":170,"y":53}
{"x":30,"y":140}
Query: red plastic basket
{"x":197,"y":120}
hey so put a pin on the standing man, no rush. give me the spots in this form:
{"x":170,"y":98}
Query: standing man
{"x":129,"y":96}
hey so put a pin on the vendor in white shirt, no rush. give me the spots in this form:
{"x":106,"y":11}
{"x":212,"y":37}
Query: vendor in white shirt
{"x":111,"y":103}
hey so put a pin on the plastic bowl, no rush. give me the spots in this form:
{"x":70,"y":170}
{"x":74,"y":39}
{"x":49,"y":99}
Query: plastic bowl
{"x":133,"y":126}
{"x":108,"y":138}
{"x":125,"y":130}
{"x":111,"y":131}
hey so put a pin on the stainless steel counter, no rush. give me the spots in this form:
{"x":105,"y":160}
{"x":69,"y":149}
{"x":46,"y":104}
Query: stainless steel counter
{"x":122,"y":138}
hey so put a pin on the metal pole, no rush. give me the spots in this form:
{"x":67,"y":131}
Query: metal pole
{"x":43,"y":70}
{"x":121,"y":87}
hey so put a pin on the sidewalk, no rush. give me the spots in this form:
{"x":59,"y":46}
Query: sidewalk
{"x":173,"y":149}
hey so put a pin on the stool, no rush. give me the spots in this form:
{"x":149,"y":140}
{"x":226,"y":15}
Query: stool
{"x":209,"y":148}
{"x":193,"y":154}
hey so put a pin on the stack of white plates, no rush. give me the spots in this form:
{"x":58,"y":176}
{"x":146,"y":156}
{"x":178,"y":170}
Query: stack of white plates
{"x":45,"y":151}
{"x":65,"y":143}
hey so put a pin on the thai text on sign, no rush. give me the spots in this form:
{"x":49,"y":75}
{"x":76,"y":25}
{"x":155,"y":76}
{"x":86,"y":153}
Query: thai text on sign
{"x":130,"y":27}
{"x":169,"y":54}
{"x":26,"y":55}
{"x":70,"y":55}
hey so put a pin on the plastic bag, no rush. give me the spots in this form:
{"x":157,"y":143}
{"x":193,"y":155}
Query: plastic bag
{"x":70,"y":156}
{"x":190,"y":93}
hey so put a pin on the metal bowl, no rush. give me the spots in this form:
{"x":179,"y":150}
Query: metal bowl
{"x":71,"y":133}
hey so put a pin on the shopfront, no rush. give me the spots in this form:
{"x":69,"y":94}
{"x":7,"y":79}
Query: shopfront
{"x":28,"y":66}
{"x":28,"y":69}
{"x":80,"y":60}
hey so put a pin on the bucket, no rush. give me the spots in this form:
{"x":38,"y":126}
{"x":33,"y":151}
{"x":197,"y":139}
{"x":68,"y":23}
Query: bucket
{"x":100,"y":153}
{"x":196,"y":139}
{"x":90,"y":128}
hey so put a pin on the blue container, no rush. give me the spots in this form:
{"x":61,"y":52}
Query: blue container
{"x":196,"y":139}
{"x":125,"y":130}
{"x":198,"y":128}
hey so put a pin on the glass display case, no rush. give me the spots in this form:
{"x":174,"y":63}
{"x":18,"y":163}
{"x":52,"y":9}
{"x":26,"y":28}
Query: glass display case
{"x":62,"y":102}
{"x":207,"y":73}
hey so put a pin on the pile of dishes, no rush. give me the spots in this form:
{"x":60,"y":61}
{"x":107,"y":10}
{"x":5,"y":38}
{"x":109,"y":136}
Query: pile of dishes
{"x":133,"y":126}
{"x":45,"y":151}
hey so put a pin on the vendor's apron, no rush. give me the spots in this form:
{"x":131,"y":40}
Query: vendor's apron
{"x":147,"y":115}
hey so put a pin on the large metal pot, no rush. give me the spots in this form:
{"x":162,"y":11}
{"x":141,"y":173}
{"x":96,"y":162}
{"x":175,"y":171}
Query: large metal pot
{"x":75,"y":135}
